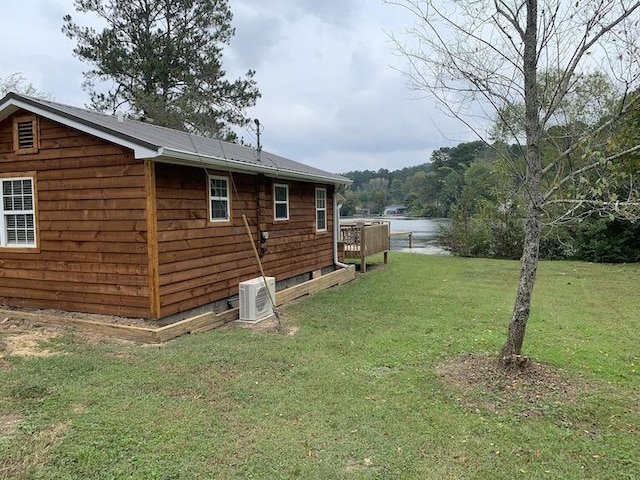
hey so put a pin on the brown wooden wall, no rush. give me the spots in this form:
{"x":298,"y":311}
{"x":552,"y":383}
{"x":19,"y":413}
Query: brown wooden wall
{"x":98,"y":216}
{"x":91,"y":226}
{"x":294,"y":247}
{"x":201,"y":262}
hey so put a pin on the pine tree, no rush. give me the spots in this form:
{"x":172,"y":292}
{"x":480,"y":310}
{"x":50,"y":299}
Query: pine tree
{"x":163,"y":59}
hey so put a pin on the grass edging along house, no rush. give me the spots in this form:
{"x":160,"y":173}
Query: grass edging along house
{"x":107,"y":215}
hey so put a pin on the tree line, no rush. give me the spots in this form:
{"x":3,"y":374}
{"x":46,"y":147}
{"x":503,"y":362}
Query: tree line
{"x":472,"y":185}
{"x":427,"y":190}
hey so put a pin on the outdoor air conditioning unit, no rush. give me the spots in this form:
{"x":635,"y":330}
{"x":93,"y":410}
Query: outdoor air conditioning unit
{"x":255,"y":300}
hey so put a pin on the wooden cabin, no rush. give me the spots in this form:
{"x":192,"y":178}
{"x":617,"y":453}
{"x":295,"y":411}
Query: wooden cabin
{"x":107,"y":215}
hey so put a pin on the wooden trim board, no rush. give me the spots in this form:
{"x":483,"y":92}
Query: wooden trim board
{"x":152,"y":238}
{"x":199,"y":323}
{"x":311,"y":287}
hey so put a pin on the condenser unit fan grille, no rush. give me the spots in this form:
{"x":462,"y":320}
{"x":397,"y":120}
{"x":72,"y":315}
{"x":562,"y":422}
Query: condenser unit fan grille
{"x":262,"y":300}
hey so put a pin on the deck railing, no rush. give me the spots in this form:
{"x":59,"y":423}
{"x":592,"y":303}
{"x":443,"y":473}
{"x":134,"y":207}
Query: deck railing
{"x":363,"y":239}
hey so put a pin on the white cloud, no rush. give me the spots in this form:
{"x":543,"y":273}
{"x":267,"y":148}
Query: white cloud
{"x":329,"y":95}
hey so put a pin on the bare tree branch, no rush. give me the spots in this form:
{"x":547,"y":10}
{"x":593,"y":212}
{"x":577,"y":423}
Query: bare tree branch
{"x":527,"y":61}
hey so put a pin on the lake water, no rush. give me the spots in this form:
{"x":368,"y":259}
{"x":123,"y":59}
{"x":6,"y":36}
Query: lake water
{"x":424,"y":234}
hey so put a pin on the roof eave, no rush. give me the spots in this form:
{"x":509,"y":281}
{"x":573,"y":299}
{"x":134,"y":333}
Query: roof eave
{"x":13,"y":104}
{"x":178,"y":157}
{"x":145,"y":150}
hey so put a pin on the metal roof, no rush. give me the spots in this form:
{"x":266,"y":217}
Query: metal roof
{"x":168,"y":145}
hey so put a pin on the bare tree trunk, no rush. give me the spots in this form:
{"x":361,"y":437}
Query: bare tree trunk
{"x":464,"y":55}
{"x":532,"y":228}
{"x":528,"y":269}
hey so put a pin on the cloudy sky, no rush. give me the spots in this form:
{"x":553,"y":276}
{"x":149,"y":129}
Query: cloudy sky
{"x":332,"y":95}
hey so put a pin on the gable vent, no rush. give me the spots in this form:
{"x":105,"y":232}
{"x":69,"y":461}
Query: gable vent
{"x":25,"y":135}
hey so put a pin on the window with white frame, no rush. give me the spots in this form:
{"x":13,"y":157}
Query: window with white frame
{"x":321,"y":209}
{"x":17,"y":213}
{"x":219,"y":199}
{"x":281,"y":201}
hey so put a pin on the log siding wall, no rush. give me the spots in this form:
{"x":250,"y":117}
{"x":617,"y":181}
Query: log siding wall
{"x":91,"y":226}
{"x":202,"y":262}
{"x":132,"y":238}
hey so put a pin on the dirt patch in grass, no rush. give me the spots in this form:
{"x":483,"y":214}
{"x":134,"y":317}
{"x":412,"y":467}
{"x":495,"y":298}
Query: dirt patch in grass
{"x":270,"y":325}
{"x":354,"y":465}
{"x":18,"y":339}
{"x":24,"y":338}
{"x":480,"y":382}
{"x":9,"y":424}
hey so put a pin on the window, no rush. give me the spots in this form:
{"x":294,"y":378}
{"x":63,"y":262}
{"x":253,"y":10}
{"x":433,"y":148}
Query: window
{"x":321,"y":209}
{"x":25,"y":135}
{"x":219,"y":199}
{"x":17,"y":211}
{"x":281,"y":201}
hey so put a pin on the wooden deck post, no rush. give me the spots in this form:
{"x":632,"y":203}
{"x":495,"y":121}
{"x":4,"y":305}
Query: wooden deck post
{"x":363,"y":257}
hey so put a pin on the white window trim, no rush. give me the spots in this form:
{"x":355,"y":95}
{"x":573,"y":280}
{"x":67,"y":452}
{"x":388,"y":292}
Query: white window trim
{"x":3,"y":215}
{"x":319,"y":209}
{"x":226,"y":199}
{"x":277,"y":202}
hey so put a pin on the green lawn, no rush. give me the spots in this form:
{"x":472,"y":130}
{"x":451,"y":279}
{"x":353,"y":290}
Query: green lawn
{"x":354,"y":393}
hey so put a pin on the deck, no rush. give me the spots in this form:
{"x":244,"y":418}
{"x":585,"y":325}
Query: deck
{"x":360,"y":240}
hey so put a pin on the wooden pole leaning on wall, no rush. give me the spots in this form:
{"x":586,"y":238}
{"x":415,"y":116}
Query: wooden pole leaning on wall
{"x":264,"y":277}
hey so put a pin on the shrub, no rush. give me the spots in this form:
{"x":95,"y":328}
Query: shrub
{"x":607,"y":241}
